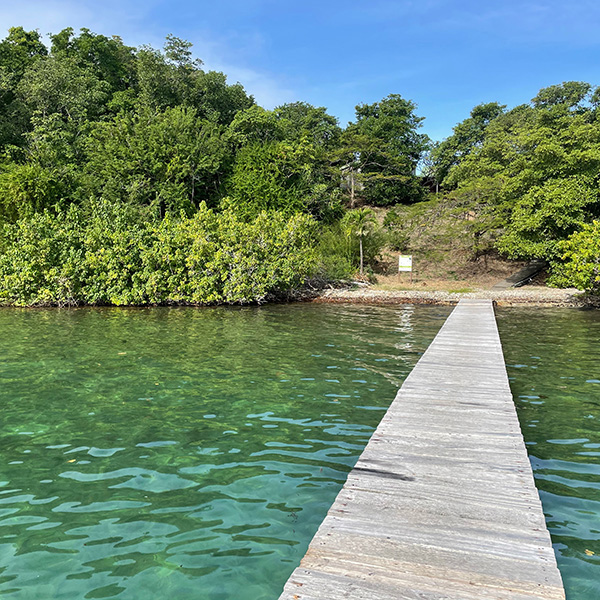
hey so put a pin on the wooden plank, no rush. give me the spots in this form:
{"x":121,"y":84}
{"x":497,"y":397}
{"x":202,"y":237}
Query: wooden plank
{"x":442,"y":502}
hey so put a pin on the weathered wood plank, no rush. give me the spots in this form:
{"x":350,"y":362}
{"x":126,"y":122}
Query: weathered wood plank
{"x":442,"y":502}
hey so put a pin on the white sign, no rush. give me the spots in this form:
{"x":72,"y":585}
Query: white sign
{"x":405,"y":262}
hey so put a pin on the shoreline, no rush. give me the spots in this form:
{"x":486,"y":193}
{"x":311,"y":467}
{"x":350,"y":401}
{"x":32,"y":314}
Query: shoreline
{"x":534,"y":296}
{"x":524,"y":296}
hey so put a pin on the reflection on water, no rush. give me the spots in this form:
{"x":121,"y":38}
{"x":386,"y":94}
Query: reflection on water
{"x":553,"y":361}
{"x":184,"y":453}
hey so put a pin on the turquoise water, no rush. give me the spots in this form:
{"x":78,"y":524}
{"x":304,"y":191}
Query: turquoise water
{"x":553,"y":362}
{"x":184,"y":453}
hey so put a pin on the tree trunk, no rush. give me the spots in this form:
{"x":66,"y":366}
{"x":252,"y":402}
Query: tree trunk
{"x":361,"y":254}
{"x":351,"y":188}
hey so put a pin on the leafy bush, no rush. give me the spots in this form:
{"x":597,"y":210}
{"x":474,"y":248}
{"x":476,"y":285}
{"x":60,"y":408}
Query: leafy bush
{"x":548,"y":214}
{"x":271,"y":176}
{"x":40,"y":260}
{"x":30,"y":188}
{"x":335,"y":254}
{"x":339,"y":244}
{"x":110,"y":257}
{"x":581,"y":260}
{"x":395,"y":226}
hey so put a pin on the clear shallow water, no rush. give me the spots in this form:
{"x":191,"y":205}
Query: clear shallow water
{"x":553,"y":362}
{"x":184,"y":453}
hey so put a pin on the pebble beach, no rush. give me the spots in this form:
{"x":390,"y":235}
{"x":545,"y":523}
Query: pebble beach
{"x":523,"y":296}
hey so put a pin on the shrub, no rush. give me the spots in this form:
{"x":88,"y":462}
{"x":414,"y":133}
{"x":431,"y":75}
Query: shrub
{"x":580,"y":266}
{"x":110,"y":257}
{"x":335,"y":254}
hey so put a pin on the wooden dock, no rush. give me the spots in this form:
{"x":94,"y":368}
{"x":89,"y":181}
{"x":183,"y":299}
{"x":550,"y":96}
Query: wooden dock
{"x":442,"y":502}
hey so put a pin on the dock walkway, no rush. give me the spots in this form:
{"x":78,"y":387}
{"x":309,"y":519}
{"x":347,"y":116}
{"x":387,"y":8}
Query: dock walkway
{"x":442,"y":502}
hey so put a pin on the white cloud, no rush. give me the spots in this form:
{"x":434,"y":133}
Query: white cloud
{"x":218,"y":54}
{"x":137,"y":23}
{"x":528,"y":21}
{"x":266,"y":90}
{"x":51,"y":16}
{"x":46,"y":17}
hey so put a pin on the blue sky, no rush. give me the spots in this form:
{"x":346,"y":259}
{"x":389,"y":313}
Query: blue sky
{"x":444,"y":55}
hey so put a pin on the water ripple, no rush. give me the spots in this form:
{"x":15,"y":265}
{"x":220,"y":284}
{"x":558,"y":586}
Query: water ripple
{"x":552,"y":361}
{"x":184,"y":453}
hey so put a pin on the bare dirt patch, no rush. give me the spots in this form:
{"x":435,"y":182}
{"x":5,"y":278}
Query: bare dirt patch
{"x":450,"y":271}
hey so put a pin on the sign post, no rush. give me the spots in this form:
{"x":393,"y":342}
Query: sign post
{"x":405,"y":264}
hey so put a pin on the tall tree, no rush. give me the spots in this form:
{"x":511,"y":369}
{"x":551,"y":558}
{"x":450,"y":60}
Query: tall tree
{"x":58,"y":85}
{"x":169,"y":161}
{"x":466,"y":137}
{"x":108,"y":58}
{"x":301,"y":119}
{"x":173,"y":78}
{"x":256,"y":125}
{"x":19,"y":50}
{"x":380,"y":151}
{"x":534,"y":176}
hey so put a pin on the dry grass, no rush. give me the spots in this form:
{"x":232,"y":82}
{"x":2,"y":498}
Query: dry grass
{"x":456,"y":272}
{"x":441,"y":241}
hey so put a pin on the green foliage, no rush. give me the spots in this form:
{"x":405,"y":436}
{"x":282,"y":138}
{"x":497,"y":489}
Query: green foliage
{"x":546,"y":215}
{"x":179,"y":52}
{"x":217,"y":100}
{"x":112,"y":269}
{"x":393,"y":121}
{"x":336,"y":253}
{"x":569,"y":94}
{"x":466,"y":137}
{"x":111,"y":257}
{"x":395,"y":225}
{"x":60,"y":86}
{"x":379,"y":153}
{"x":20,"y":49}
{"x":297,"y":122}
{"x":531,"y":173}
{"x":31,"y":188}
{"x":168,"y":161}
{"x":39,"y":260}
{"x":14,"y":115}
{"x":302,"y":120}
{"x":338,"y":250}
{"x":110,"y":156}
{"x":361,"y":223}
{"x":174,"y":79}
{"x":256,"y":125}
{"x":272,"y":176}
{"x":324,"y":203}
{"x":107,"y":58}
{"x":580,"y":260}
{"x":55,"y":143}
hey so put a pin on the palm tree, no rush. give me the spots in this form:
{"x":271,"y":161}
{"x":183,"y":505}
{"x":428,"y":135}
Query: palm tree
{"x":359,"y":222}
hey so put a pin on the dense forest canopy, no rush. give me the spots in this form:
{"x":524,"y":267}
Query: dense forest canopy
{"x":529,"y":174}
{"x":134,"y":176}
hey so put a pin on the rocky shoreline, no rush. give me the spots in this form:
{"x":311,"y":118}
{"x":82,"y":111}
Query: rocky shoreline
{"x":524,"y":296}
